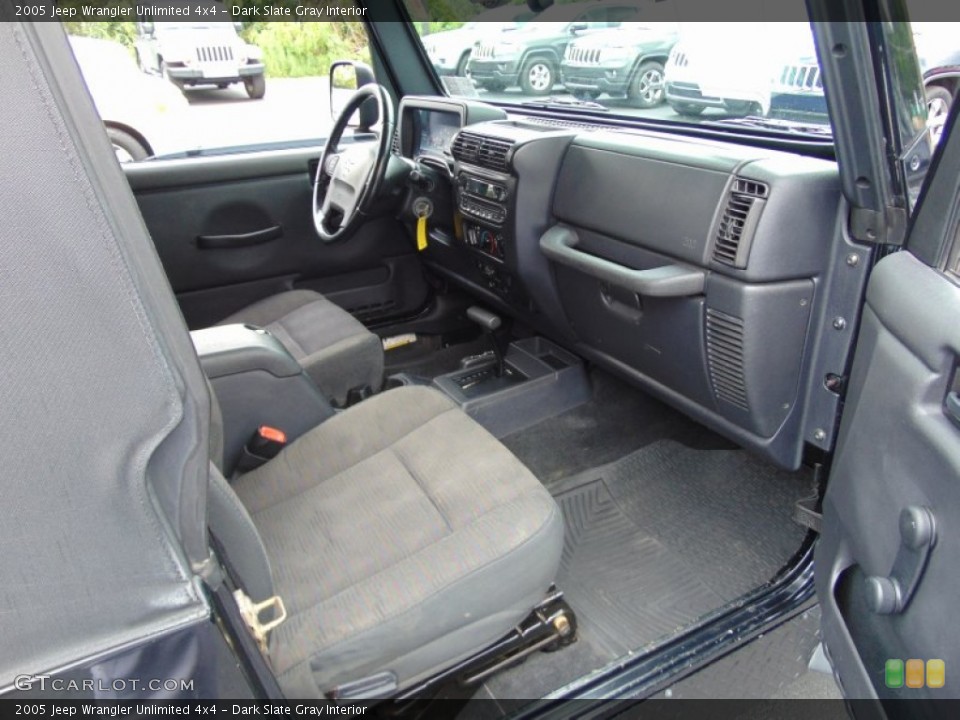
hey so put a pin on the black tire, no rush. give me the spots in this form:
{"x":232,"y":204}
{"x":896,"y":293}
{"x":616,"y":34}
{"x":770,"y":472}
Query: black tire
{"x":646,"y":88}
{"x":939,"y":102}
{"x":538,"y":76}
{"x":223,"y":86}
{"x":461,"y":70}
{"x":126,"y":146}
{"x":741,"y":107}
{"x":585,"y":94}
{"x":165,"y":73}
{"x":256,"y":86}
{"x":687,"y":109}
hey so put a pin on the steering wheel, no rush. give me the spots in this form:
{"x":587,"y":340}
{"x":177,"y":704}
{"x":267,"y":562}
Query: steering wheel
{"x":348,"y":181}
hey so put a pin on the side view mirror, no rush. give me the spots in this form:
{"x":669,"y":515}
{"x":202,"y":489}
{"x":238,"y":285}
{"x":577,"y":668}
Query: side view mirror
{"x":577,"y":27}
{"x":238,"y":26}
{"x":345,"y":77}
{"x":146,"y":28}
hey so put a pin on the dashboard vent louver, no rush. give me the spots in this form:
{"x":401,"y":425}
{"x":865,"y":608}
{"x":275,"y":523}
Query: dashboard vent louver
{"x":483,"y":151}
{"x":725,"y":358}
{"x":739,"y":218}
{"x":557,"y":122}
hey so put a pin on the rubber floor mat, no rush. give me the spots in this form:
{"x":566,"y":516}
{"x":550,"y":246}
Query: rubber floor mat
{"x":626,"y":587}
{"x":656,"y":540}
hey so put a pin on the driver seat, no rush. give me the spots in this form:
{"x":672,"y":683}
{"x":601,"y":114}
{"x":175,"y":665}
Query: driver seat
{"x":334,"y":348}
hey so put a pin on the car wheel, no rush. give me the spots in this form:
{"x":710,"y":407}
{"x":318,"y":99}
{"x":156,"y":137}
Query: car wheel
{"x":741,"y":107}
{"x":165,"y":72}
{"x":646,"y":88}
{"x":126,"y":146}
{"x":256,"y":86}
{"x":687,"y":109}
{"x":939,"y":101}
{"x":585,"y":94}
{"x":462,"y":65}
{"x":537,"y":77}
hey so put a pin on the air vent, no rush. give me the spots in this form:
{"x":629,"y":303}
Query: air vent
{"x":725,"y":358}
{"x":557,"y":122}
{"x":740,"y":215}
{"x":483,"y":151}
{"x":742,"y":186}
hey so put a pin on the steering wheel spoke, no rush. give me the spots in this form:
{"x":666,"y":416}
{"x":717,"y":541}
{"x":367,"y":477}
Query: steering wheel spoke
{"x":349,"y":179}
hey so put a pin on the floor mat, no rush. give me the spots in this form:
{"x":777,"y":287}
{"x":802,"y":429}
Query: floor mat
{"x":655,"y":541}
{"x":626,"y":587}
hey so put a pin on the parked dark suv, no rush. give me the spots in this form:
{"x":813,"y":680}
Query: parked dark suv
{"x":531,"y":57}
{"x":627,"y":60}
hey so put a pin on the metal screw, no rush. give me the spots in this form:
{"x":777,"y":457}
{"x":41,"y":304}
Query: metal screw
{"x":819,"y":435}
{"x":803,"y":302}
{"x":853,"y":259}
{"x":839,"y":323}
{"x":562,"y":625}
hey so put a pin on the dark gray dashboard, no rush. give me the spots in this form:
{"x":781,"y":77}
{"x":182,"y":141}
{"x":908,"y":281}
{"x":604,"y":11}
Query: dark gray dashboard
{"x":694,"y":268}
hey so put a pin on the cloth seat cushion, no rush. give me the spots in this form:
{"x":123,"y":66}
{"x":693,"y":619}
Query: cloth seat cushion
{"x":403,"y":537}
{"x":331,"y":345}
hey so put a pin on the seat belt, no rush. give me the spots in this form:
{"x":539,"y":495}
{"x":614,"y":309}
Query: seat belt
{"x":249,"y":610}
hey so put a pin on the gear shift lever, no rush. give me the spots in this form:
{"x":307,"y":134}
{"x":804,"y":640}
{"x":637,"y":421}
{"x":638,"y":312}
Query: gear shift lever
{"x":490,"y":323}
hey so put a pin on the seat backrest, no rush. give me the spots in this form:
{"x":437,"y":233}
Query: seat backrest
{"x":102,"y":401}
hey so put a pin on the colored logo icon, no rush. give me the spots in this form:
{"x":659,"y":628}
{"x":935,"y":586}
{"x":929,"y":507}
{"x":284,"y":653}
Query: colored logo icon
{"x":914,"y":673}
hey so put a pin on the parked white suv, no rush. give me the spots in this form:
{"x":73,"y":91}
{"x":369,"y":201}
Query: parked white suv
{"x":191,"y":54}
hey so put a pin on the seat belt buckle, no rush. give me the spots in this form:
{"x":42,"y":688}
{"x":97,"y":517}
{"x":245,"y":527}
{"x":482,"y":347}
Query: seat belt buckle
{"x":266,"y":444}
{"x":251,"y":611}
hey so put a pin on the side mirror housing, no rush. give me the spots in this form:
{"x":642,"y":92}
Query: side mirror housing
{"x":345,"y":77}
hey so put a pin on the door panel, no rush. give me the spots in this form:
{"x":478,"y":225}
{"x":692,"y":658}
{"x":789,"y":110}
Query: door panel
{"x":233,"y":229}
{"x":897,"y":448}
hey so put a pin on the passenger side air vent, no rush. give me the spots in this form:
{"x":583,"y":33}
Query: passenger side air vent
{"x":738,"y":222}
{"x":725,"y":358}
{"x":483,"y":151}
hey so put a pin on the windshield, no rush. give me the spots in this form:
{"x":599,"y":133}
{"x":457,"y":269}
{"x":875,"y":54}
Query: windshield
{"x":635,"y":58}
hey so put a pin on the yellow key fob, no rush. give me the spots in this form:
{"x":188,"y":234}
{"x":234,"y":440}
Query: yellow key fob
{"x":421,"y":233}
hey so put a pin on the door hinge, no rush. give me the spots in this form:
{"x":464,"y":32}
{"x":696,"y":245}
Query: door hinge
{"x":887,"y":227}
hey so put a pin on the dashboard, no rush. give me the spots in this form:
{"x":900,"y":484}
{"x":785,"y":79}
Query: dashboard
{"x":693,"y":268}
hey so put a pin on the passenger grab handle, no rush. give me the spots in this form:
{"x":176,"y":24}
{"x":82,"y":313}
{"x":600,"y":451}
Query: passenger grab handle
{"x":559,"y":244}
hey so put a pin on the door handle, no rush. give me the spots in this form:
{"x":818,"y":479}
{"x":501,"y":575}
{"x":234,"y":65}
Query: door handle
{"x":239,"y":240}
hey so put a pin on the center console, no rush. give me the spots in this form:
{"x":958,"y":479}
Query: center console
{"x":256,"y":382}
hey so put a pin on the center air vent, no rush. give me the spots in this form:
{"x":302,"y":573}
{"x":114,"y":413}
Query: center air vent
{"x":487,"y":152}
{"x":739,"y":220}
